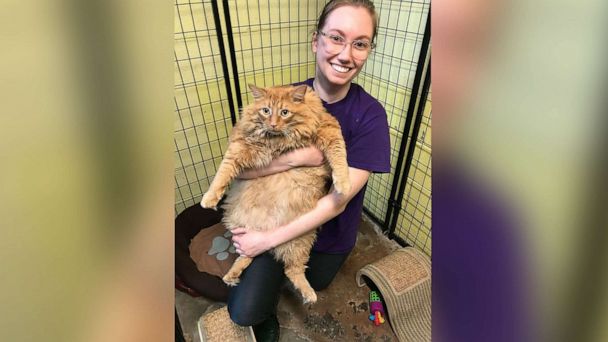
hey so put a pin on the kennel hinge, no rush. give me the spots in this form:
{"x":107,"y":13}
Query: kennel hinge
{"x":395,"y":205}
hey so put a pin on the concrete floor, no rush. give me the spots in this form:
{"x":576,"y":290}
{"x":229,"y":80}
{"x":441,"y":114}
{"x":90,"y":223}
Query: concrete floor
{"x":340,"y":314}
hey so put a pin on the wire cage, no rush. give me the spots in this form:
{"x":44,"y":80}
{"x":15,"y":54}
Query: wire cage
{"x":221,"y":46}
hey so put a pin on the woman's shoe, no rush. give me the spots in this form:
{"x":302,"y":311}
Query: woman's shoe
{"x":267,"y":331}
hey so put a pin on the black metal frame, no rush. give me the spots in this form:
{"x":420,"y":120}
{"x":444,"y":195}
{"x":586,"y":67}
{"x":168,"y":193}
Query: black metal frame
{"x":237,"y":85}
{"x":220,"y":41}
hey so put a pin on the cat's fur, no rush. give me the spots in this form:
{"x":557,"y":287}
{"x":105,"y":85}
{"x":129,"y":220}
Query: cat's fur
{"x":264,"y":203}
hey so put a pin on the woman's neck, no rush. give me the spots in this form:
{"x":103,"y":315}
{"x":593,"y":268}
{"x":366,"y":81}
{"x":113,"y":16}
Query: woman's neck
{"x":328,"y":92}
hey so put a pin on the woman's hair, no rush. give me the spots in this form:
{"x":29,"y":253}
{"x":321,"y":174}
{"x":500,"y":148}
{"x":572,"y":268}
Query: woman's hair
{"x":333,"y":4}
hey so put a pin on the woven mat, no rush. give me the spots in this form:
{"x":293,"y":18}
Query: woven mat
{"x":404,"y":280}
{"x":217,"y":326}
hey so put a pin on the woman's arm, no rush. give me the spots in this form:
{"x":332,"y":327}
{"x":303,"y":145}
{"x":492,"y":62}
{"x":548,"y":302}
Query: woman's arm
{"x":253,"y":243}
{"x":306,"y":156}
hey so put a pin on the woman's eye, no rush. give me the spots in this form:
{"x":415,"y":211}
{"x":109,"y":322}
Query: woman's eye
{"x":284,"y":112}
{"x":361,"y":45}
{"x":336,"y":39}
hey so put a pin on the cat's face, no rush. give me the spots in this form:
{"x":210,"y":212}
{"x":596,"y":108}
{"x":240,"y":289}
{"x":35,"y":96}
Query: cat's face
{"x":279,"y":111}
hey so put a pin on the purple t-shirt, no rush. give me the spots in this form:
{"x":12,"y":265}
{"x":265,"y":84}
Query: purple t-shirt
{"x":365,"y":130}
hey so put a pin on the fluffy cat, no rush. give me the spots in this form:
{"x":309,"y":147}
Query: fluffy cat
{"x":280,"y":120}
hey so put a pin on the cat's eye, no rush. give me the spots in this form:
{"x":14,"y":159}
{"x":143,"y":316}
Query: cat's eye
{"x":265,"y":111}
{"x":284,"y":112}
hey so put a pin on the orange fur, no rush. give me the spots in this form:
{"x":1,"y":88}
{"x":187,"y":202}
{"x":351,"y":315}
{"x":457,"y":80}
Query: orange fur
{"x":281,"y":119}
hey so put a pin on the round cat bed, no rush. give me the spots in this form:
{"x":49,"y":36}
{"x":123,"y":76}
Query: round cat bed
{"x":404,"y":281}
{"x":188,"y":224}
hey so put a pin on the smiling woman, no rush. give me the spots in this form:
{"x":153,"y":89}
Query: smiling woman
{"x":348,"y":30}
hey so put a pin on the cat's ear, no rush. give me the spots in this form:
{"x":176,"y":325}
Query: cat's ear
{"x":299,"y":92}
{"x":257,"y":93}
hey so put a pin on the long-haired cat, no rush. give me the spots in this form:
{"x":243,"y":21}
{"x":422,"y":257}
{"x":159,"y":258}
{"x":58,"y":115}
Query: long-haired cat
{"x":280,"y":119}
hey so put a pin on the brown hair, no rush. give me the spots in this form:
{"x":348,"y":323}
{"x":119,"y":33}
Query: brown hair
{"x":333,"y":4}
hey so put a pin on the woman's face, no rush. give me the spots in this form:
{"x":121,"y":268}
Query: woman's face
{"x":352,"y":23}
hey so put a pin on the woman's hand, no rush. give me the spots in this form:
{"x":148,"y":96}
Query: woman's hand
{"x":250,"y":243}
{"x":306,"y":156}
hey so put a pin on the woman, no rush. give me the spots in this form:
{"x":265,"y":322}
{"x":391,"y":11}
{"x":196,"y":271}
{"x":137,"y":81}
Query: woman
{"x":342,"y":43}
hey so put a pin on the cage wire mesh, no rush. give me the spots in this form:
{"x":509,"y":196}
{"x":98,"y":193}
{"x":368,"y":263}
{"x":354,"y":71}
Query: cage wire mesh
{"x":389,"y":76}
{"x":272,"y":46}
{"x":202,"y":116}
{"x":414,"y":216}
{"x":273,"y":41}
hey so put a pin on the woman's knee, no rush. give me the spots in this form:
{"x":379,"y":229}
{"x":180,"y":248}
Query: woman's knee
{"x":323,"y":269}
{"x":320,"y":284}
{"x":244,"y":316}
{"x":257,"y":295}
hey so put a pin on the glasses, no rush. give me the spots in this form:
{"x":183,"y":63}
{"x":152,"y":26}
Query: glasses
{"x":336,"y":43}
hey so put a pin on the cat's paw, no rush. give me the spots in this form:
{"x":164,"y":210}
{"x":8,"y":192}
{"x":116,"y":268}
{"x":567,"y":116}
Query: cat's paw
{"x":210,"y":200}
{"x":231,"y":280}
{"x":342,"y":185}
{"x":309,"y":296}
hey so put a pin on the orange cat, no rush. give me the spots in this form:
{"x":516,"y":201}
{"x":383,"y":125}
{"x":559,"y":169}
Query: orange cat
{"x":281,"y":119}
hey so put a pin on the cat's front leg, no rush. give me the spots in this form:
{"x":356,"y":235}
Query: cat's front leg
{"x":231,"y":278}
{"x":341,"y":179}
{"x":331,"y":143}
{"x":228,"y":170}
{"x":225,"y":174}
{"x":240,"y":156}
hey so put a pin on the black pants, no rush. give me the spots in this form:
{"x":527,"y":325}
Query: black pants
{"x":257,"y":294}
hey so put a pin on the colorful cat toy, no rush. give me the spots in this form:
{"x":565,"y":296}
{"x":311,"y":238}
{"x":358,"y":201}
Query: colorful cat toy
{"x":376,"y":308}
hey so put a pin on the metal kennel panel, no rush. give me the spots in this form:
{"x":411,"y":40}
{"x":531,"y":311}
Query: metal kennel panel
{"x":221,"y":46}
{"x":414,"y":219}
{"x":394,"y":75}
{"x":204,"y":110}
{"x":411,"y":221}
